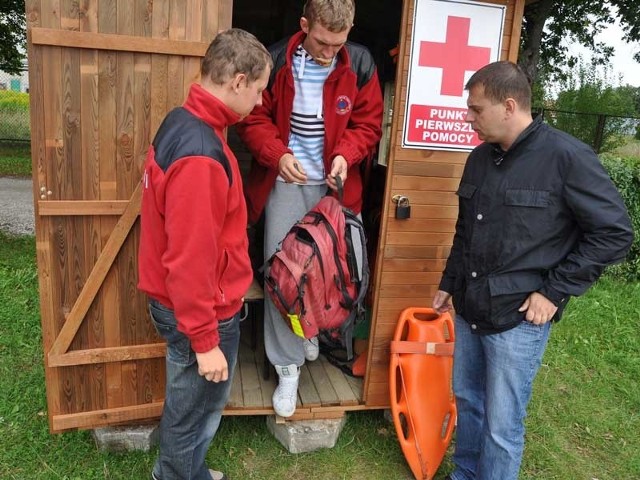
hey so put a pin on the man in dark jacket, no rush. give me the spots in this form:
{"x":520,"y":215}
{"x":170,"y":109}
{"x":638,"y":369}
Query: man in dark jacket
{"x":539,"y":219}
{"x":193,"y":259}
{"x":320,"y":118}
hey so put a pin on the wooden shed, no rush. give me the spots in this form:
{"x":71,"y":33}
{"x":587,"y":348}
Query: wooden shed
{"x":103,"y":73}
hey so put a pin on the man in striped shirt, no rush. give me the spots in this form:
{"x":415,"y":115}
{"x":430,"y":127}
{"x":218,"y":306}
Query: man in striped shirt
{"x":320,"y":118}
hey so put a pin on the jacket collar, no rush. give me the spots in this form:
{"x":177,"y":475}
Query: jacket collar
{"x":209,"y":108}
{"x":500,"y":154}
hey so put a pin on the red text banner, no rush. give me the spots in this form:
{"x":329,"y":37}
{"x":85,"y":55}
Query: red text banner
{"x":451,"y":41}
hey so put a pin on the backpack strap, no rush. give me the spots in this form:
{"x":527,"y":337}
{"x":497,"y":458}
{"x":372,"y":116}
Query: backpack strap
{"x":334,"y":355}
{"x":352,"y":219}
{"x":346,"y":332}
{"x":338,"y":179}
{"x":297,"y":271}
{"x":347,"y":328}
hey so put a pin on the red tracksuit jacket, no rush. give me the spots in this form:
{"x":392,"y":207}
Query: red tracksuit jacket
{"x":193,"y":254}
{"x":352,"y":104}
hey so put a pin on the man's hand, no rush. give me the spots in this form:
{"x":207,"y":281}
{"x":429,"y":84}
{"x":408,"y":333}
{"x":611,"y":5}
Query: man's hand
{"x":539,"y":309}
{"x":338,"y":167}
{"x":442,"y":302}
{"x":291,"y":170}
{"x":212,"y":365}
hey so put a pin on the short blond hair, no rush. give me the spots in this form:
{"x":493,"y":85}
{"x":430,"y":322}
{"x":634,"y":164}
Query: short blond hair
{"x":232,"y":52}
{"x":334,"y":15}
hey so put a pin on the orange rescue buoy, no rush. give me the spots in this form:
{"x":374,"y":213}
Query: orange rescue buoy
{"x":422,"y":402}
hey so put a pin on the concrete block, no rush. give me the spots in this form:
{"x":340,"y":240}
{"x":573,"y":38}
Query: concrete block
{"x":127,"y":437}
{"x":388,"y":416}
{"x":306,"y":435}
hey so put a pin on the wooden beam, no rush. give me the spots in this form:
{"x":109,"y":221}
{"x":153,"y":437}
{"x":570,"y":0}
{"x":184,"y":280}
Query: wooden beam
{"x":123,"y":43}
{"x":129,"y":414}
{"x":342,"y":408}
{"x":110,"y":416}
{"x":108,"y":355}
{"x":516,"y":30}
{"x":395,"y":154}
{"x":317,"y":415}
{"x":82,"y":207}
{"x":97,"y":275}
{"x":248,"y":412}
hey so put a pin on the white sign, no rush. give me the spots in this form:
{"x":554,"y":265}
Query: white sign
{"x":451,"y":41}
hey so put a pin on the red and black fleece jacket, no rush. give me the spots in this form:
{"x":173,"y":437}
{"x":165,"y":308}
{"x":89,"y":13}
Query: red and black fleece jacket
{"x":193,"y":254}
{"x":352,"y":109}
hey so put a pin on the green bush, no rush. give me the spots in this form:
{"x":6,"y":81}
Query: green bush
{"x":14,"y":116}
{"x":11,"y":101}
{"x":625,"y":173}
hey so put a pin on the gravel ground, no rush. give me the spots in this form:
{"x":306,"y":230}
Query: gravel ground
{"x":16,"y":206}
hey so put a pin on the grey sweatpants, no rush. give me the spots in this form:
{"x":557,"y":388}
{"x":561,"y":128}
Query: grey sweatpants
{"x":287,"y":203}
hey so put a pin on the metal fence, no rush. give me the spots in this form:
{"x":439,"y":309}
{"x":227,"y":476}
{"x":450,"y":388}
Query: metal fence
{"x":14,"y":108}
{"x":603,"y":132}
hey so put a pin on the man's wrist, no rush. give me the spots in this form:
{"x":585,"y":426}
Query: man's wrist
{"x":553,"y":295}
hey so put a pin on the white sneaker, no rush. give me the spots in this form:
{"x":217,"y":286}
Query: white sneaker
{"x":285,"y":396}
{"x":311,"y":349}
{"x":215,"y":475}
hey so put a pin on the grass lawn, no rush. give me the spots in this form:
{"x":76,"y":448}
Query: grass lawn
{"x":15,"y":160}
{"x":583,"y":421}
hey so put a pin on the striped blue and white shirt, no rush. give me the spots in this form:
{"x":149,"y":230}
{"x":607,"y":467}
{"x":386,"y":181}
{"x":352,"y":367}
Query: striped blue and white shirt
{"x":307,"y":120}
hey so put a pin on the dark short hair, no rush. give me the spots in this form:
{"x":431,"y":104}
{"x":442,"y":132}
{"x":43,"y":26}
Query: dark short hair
{"x":502,"y":80}
{"x":232,"y":52}
{"x":334,"y":15}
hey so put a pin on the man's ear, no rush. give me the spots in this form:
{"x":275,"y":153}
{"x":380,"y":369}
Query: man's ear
{"x":510,"y":106}
{"x":238,"y":81}
{"x":304,"y":25}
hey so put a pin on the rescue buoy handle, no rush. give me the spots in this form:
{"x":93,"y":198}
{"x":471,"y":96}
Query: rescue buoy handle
{"x":453,"y":412}
{"x":448,"y":321}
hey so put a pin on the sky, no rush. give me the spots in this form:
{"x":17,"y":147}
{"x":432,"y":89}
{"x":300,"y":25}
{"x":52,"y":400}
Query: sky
{"x":622,"y":62}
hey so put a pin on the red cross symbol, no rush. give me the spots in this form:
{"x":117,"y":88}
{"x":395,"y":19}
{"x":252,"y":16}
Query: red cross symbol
{"x":455,"y":56}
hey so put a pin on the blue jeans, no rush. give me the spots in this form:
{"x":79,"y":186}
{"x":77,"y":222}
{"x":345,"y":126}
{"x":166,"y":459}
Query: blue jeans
{"x":492,"y":382}
{"x":192,"y":405}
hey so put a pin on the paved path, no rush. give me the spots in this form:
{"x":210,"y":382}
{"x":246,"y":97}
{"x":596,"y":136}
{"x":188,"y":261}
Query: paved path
{"x":16,"y":206}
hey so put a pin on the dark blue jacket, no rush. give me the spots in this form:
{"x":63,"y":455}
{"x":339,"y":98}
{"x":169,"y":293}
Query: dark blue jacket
{"x":543,"y":216}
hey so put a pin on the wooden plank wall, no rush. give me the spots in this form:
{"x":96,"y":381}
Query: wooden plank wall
{"x":98,"y":94}
{"x":412,"y":253}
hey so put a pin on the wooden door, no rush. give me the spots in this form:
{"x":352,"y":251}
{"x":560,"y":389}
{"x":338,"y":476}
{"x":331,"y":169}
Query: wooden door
{"x":103,"y":74}
{"x":411,"y":253}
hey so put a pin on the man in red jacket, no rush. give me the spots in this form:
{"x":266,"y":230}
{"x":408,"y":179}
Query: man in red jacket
{"x":320,"y":117}
{"x":193,"y":258}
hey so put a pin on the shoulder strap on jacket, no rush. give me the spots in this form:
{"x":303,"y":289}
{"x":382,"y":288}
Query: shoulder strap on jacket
{"x":278,"y":53}
{"x":362,"y":62}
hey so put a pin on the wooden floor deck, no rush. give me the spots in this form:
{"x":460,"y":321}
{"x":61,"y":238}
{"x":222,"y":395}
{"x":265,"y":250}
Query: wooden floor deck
{"x":324,"y":391}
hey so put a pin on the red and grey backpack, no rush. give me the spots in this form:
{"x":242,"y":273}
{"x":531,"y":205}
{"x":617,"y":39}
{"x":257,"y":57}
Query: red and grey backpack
{"x":315,"y":278}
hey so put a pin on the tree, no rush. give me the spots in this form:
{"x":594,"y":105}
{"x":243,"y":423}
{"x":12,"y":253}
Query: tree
{"x":12,"y":35}
{"x":547,"y":22}
{"x":601,"y":106}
